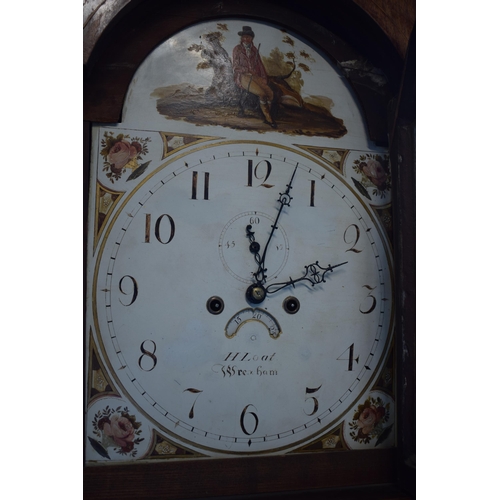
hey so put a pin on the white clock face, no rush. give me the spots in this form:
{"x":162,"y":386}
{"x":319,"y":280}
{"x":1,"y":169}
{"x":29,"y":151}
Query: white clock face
{"x":214,"y":369}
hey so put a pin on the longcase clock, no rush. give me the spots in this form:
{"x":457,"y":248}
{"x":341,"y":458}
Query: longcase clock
{"x":241,"y":284}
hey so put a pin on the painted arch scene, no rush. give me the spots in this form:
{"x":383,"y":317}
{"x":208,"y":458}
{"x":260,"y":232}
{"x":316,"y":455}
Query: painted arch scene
{"x":244,"y":75}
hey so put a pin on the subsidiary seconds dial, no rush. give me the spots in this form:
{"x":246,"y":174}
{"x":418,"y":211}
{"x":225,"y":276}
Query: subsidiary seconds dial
{"x":215,"y":371}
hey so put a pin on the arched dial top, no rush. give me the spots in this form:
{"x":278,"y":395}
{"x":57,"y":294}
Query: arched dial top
{"x":212,"y":370}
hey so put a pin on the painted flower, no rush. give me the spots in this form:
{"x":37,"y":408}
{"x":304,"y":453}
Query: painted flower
{"x":369,"y":418}
{"x":135,"y":148}
{"x":121,"y":430}
{"x":122,"y":153}
{"x":375,"y":172}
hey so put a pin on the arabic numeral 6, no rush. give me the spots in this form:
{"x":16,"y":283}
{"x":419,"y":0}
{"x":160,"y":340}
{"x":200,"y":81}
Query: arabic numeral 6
{"x":250,"y":419}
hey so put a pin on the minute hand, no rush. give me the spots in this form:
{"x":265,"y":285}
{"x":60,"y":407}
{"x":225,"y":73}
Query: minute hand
{"x":284,"y":199}
{"x":314,"y":274}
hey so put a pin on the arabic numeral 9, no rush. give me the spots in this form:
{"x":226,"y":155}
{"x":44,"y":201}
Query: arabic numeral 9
{"x":128,"y":287}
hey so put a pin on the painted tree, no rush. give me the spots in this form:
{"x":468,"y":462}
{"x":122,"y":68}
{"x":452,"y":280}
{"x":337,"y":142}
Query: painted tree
{"x":222,"y":88}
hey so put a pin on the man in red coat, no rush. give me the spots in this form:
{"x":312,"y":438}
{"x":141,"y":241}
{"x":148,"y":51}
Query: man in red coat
{"x":250,"y":74}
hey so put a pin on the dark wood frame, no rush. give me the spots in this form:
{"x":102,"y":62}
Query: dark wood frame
{"x":375,"y":474}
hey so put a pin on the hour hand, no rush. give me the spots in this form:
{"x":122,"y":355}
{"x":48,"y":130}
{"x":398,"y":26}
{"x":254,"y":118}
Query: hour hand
{"x":314,"y":274}
{"x":254,"y":248}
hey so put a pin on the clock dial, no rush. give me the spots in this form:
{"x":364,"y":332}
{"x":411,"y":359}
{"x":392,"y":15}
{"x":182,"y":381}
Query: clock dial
{"x":215,"y":370}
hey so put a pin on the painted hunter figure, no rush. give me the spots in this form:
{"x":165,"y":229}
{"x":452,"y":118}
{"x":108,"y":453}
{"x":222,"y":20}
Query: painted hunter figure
{"x":250,"y":74}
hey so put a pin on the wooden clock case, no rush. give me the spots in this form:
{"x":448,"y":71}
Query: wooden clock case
{"x":113,"y":50}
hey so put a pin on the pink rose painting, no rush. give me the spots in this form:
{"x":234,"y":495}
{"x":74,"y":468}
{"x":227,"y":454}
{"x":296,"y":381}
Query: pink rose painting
{"x":122,"y":152}
{"x":369,"y":418}
{"x":375,"y":175}
{"x":115,"y":429}
{"x":369,"y":421}
{"x":120,"y":430}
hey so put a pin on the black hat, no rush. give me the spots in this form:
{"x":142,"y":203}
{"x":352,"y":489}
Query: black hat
{"x":247,"y":31}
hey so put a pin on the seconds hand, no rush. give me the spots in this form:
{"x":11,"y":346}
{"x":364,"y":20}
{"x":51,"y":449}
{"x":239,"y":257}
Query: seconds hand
{"x":256,"y":292}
